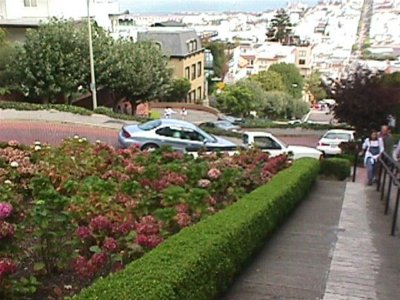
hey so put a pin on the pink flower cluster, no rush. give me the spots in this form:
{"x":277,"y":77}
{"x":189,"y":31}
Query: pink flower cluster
{"x":13,"y":143}
{"x":183,"y":219}
{"x":214,"y":174}
{"x":5,"y":210}
{"x":83,"y":232}
{"x":148,"y":230}
{"x":7,"y":230}
{"x":203,"y":183}
{"x":100,"y":223}
{"x":149,"y":241}
{"x":123,"y":228}
{"x":170,"y":178}
{"x":182,"y":208}
{"x":7,"y":266}
{"x":85,"y":268}
{"x":110,"y":245}
{"x":170,"y":156}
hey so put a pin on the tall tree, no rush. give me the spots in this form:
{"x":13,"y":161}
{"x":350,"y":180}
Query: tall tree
{"x":220,"y":58}
{"x":365,"y":102}
{"x":52,"y":63}
{"x":280,"y":27}
{"x":269,"y":80}
{"x":315,"y":87}
{"x":177,"y":90}
{"x":7,"y":52}
{"x":137,"y":71}
{"x":278,"y":104}
{"x":291,"y":76}
{"x":240,"y":98}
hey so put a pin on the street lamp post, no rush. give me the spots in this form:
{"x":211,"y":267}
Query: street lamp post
{"x":92,"y":75}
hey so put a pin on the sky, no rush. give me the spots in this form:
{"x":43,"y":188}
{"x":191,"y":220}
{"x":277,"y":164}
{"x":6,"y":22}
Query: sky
{"x":170,"y":6}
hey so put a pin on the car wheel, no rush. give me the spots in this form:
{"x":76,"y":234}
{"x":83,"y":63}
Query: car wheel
{"x":149,"y":147}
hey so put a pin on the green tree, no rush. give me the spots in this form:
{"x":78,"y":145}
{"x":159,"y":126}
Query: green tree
{"x":137,"y":71}
{"x":280,"y":27}
{"x":177,"y":90}
{"x":315,"y":87}
{"x":240,"y":98}
{"x":291,"y":77}
{"x":7,"y":53}
{"x":52,"y":63}
{"x":365,"y":102}
{"x":220,"y":58}
{"x":278,"y":104}
{"x":269,"y":80}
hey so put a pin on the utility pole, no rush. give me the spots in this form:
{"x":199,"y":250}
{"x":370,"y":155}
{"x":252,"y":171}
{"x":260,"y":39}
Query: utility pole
{"x":92,"y":75}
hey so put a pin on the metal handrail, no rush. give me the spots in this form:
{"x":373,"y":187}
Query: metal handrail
{"x":389,"y":167}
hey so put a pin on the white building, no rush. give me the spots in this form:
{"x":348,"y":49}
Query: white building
{"x":17,"y":15}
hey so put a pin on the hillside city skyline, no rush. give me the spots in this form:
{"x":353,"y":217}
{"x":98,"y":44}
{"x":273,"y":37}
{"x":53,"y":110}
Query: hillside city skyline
{"x":174,"y":6}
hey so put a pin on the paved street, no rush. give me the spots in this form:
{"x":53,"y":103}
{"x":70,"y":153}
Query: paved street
{"x":27,"y":132}
{"x":336,"y":246}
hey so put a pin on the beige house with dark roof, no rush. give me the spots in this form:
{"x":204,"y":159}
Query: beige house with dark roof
{"x":186,"y":54}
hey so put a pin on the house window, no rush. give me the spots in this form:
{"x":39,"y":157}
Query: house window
{"x":302,"y":61}
{"x":199,"y":70}
{"x":187,"y":72}
{"x":192,"y":45}
{"x":199,"y":95}
{"x":251,"y":62}
{"x":30,"y":3}
{"x":193,"y":71}
{"x":302,"y":53}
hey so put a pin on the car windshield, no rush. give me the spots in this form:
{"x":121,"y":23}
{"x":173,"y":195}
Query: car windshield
{"x":208,"y":136}
{"x":150,"y":125}
{"x":224,"y":123}
{"x":281,"y":142}
{"x":337,"y":136}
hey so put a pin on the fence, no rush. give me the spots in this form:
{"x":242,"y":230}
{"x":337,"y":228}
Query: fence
{"x":389,"y":171}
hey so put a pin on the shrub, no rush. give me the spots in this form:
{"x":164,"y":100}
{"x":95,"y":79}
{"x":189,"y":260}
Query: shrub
{"x":202,"y":260}
{"x":108,"y":112}
{"x":338,"y":168}
{"x":35,"y":106}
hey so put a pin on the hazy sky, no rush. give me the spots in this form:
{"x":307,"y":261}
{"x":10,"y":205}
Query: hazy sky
{"x":145,"y":6}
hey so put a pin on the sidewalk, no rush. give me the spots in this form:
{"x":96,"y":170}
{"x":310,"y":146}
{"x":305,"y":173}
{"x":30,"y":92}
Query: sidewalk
{"x":336,"y":245}
{"x":55,"y":116}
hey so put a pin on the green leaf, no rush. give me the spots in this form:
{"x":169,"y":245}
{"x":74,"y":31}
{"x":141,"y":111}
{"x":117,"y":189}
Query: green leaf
{"x":95,"y":249}
{"x":38,"y":266}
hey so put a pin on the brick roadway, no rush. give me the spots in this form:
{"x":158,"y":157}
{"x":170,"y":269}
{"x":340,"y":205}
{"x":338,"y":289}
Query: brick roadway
{"x":27,"y":132}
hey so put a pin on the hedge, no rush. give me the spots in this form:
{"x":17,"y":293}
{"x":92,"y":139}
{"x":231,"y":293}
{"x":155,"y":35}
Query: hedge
{"x":201,"y":261}
{"x":68,"y":108}
{"x":339,"y":168}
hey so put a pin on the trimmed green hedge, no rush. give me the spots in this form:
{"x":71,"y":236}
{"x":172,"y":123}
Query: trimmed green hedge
{"x":339,"y":168}
{"x":68,"y":108}
{"x":201,"y":261}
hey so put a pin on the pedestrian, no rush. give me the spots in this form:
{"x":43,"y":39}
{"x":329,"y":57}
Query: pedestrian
{"x":388,"y":140}
{"x":373,"y":147}
{"x":183,"y":113}
{"x":168,"y":112}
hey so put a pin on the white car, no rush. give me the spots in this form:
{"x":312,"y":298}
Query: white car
{"x":269,"y":143}
{"x":330,"y":141}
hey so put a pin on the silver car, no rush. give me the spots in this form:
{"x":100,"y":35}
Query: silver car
{"x":223,"y":125}
{"x":180,"y":135}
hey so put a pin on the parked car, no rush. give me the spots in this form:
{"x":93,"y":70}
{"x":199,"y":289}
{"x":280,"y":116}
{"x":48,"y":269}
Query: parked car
{"x":180,"y":135}
{"x":231,"y":119}
{"x":330,"y":141}
{"x":269,"y":143}
{"x":224,"y":125}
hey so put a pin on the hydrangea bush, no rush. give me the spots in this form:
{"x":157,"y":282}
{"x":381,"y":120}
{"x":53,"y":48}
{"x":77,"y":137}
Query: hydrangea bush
{"x":88,"y":210}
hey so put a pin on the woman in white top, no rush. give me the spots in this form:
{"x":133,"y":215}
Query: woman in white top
{"x":373,"y":147}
